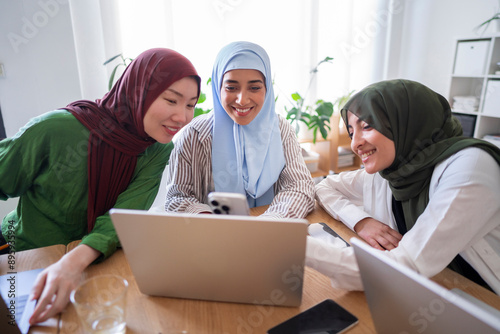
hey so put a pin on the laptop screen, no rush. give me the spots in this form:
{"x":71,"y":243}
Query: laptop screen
{"x":401,"y":300}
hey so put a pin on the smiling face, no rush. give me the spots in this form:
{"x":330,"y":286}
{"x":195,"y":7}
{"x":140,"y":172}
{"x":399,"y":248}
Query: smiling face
{"x":242,"y":95}
{"x":377,"y":152}
{"x":172,"y":110}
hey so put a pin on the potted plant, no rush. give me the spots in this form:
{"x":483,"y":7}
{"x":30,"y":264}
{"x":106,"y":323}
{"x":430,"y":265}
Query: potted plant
{"x":315,"y":117}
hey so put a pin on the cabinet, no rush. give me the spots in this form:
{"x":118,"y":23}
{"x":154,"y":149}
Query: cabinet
{"x":475,"y":85}
{"x":328,"y":149}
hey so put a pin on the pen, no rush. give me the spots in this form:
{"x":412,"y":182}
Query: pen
{"x":4,"y":246}
{"x":327,"y":229}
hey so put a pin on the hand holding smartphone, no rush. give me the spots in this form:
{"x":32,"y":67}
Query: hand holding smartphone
{"x":325,"y":317}
{"x":228,"y":203}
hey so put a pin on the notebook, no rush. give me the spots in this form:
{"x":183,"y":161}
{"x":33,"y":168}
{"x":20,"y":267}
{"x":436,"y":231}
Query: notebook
{"x":403,"y":301}
{"x":225,"y":258}
{"x":15,"y":308}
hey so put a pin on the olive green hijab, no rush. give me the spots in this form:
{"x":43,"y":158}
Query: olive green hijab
{"x":424,"y":132}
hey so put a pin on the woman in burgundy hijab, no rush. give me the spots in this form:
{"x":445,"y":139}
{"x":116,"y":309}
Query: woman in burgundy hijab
{"x":123,"y":142}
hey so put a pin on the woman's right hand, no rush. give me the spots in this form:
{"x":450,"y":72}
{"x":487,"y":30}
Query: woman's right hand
{"x":54,"y":284}
{"x":377,"y":234}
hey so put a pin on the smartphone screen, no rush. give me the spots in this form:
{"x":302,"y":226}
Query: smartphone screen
{"x":327,"y":317}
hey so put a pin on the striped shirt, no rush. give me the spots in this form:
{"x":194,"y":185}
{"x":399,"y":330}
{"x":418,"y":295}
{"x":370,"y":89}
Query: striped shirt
{"x":189,"y":173}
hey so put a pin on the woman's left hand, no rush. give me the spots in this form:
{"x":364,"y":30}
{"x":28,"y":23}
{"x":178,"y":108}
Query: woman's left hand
{"x":377,"y":234}
{"x":54,"y":285}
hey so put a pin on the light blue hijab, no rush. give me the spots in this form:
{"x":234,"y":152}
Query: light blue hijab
{"x":246,"y":159}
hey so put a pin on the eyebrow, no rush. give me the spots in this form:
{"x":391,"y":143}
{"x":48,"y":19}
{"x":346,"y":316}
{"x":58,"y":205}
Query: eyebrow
{"x":359,"y":120}
{"x":180,"y":94}
{"x":349,"y":126}
{"x":250,"y":82}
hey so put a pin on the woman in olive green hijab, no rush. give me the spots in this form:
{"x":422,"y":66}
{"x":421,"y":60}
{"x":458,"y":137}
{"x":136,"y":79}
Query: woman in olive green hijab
{"x":426,"y":194}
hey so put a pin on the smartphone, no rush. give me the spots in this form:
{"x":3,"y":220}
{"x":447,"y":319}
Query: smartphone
{"x":228,"y":203}
{"x":327,"y":317}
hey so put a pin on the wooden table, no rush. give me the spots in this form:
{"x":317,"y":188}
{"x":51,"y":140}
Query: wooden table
{"x":146,"y":314}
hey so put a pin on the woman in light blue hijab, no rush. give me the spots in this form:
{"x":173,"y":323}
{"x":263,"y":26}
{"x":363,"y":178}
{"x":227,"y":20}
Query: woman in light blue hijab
{"x":249,"y":158}
{"x":242,"y":146}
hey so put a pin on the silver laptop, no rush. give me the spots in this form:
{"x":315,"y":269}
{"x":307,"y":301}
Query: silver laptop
{"x":15,"y":306}
{"x":214,"y":257}
{"x":403,"y":301}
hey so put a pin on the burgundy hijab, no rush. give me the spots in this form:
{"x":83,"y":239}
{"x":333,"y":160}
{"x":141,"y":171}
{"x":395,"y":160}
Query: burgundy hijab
{"x":116,"y":125}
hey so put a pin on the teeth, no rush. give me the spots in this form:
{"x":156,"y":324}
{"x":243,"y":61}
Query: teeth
{"x":367,"y":154}
{"x":242,"y":110}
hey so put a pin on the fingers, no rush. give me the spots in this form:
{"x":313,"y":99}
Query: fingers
{"x":375,"y":244}
{"x":386,"y":243}
{"x":44,"y":299}
{"x":52,"y":296}
{"x":37,"y":288}
{"x":377,"y":234}
{"x":51,"y":305}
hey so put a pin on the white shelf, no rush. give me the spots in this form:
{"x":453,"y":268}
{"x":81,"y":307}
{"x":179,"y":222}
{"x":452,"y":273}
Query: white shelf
{"x":477,"y":55}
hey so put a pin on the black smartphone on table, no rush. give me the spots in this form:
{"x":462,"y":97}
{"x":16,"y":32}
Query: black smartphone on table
{"x":327,"y":317}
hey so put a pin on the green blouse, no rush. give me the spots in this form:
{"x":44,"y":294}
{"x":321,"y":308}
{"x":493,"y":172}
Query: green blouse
{"x":45,"y":165}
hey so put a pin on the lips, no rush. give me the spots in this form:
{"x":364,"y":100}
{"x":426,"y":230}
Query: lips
{"x":171,"y":130}
{"x":365,"y":155}
{"x":242,"y":111}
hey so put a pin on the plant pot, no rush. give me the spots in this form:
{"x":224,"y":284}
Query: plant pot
{"x":304,"y":132}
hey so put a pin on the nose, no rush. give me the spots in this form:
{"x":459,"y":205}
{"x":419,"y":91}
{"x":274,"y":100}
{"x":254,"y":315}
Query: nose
{"x":242,"y":98}
{"x":357,"y":140}
{"x":181,"y":115}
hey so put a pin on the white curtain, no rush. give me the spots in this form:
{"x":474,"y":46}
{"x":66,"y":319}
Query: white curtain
{"x":297,"y":34}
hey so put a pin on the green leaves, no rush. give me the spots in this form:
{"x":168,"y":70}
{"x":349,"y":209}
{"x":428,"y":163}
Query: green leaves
{"x":486,"y":23}
{"x":111,"y":59}
{"x":124,"y":62}
{"x":324,"y":108}
{"x":339,"y":102}
{"x":326,"y":60}
{"x":494,"y":17}
{"x":296,"y":97}
{"x":320,"y":121}
{"x":200,"y":111}
{"x":316,"y":117}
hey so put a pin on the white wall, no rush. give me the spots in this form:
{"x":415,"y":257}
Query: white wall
{"x":428,"y":32}
{"x":37,"y":51}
